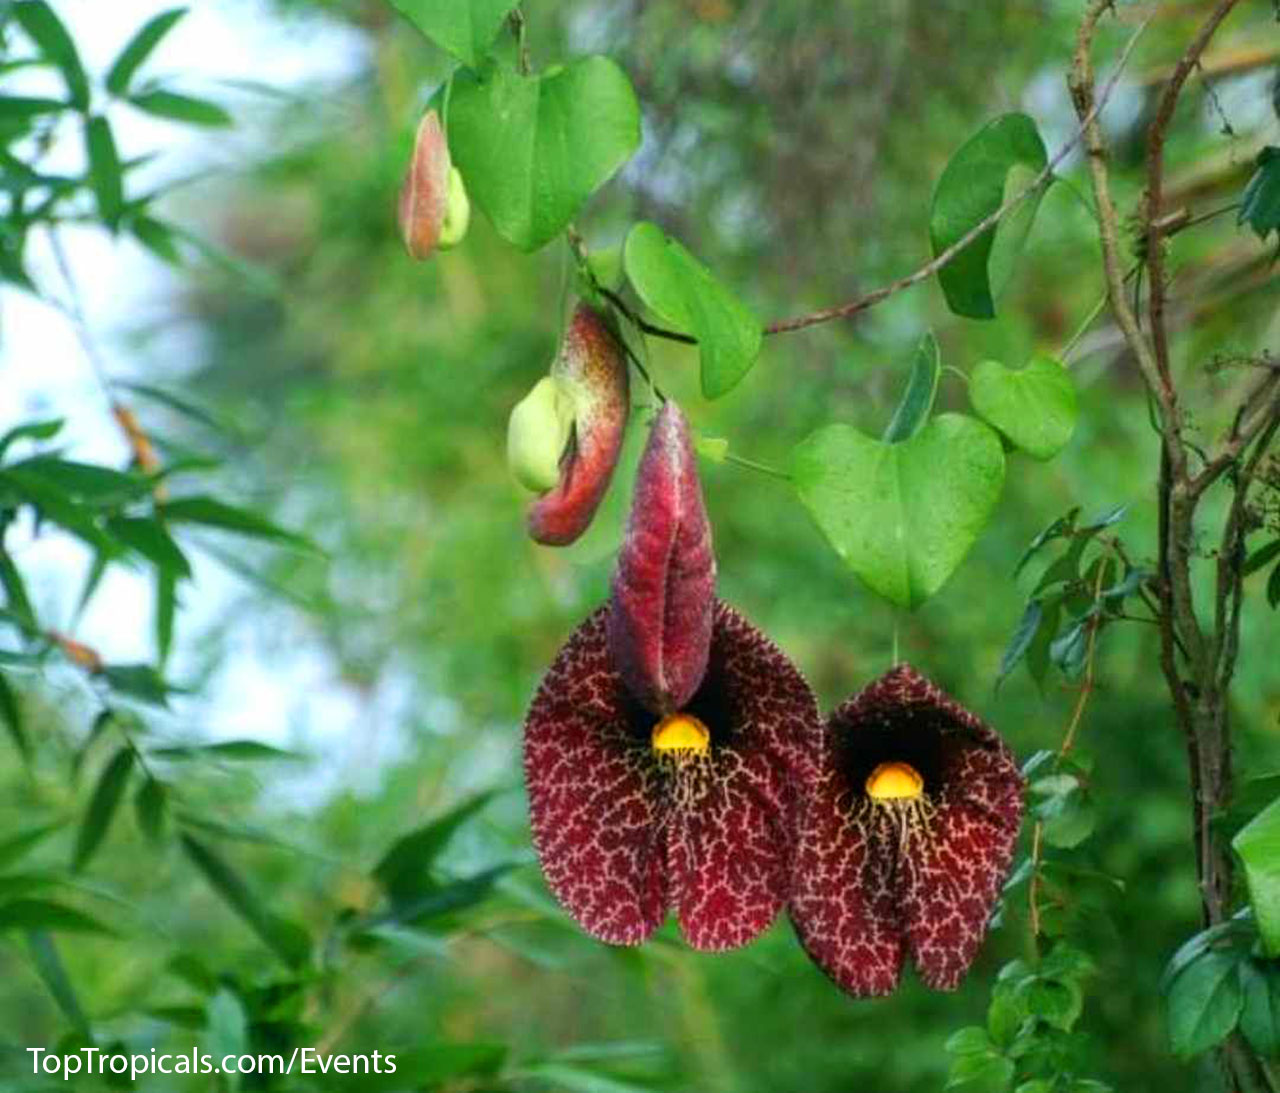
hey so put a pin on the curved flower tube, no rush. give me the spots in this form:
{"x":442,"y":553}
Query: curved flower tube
{"x":591,"y":373}
{"x":905,"y":839}
{"x":433,"y":209}
{"x":665,"y":765}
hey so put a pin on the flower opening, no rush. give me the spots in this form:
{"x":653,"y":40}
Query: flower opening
{"x":905,"y":838}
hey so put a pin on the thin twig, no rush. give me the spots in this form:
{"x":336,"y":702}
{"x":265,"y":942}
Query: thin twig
{"x":864,"y":303}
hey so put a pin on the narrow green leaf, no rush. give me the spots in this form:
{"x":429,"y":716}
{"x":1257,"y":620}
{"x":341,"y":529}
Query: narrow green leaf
{"x":150,"y":803}
{"x":682,"y":292}
{"x":913,"y":411}
{"x":166,"y":609}
{"x":140,"y":681}
{"x":92,"y":580}
{"x":15,"y":590}
{"x":39,"y":20}
{"x":1259,"y":559}
{"x":1273,"y":587}
{"x":1023,"y":635}
{"x":140,"y":47}
{"x":88,"y":482}
{"x":150,"y":538}
{"x":532,"y":150}
{"x":43,"y":914}
{"x":287,"y":940}
{"x":21,"y":107}
{"x":102,"y":806}
{"x":1000,"y":161}
{"x":465,"y":28}
{"x":104,"y":169}
{"x":44,"y":954}
{"x":31,"y":430}
{"x":1258,"y":846}
{"x":902,"y":516}
{"x":1204,"y":1003}
{"x":215,"y":514}
{"x":14,"y":847}
{"x":181,"y":406}
{"x":11,"y":715}
{"x":176,"y":107}
{"x":248,"y":751}
{"x":405,"y":869}
{"x":158,"y":237}
{"x":440,"y":900}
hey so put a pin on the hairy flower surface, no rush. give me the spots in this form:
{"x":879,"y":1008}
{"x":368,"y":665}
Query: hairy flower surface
{"x":905,"y":839}
{"x":667,"y":747}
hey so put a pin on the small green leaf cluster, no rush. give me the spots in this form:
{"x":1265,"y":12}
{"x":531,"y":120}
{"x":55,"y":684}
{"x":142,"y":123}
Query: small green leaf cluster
{"x":1221,"y":981}
{"x":1260,"y":203}
{"x":1031,"y":1042}
{"x":30,"y":125}
{"x":1060,"y":796}
{"x":1087,"y":586}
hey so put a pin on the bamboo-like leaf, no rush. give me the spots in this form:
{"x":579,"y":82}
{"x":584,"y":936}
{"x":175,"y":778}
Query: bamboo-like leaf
{"x":287,"y":940}
{"x":139,"y":48}
{"x":102,"y":806}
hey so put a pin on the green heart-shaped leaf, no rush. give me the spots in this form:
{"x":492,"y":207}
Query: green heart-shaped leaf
{"x":533,"y":149}
{"x":683,"y":293}
{"x":902,"y":516}
{"x":465,"y":28}
{"x":1034,"y":407}
{"x":998,"y":162}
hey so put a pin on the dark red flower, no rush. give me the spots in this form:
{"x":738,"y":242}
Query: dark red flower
{"x":667,"y":746}
{"x":905,"y":839}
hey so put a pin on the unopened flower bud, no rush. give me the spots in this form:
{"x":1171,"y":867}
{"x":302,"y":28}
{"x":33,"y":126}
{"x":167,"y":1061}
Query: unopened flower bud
{"x":591,"y":371}
{"x":660,"y":616}
{"x":434,"y":211}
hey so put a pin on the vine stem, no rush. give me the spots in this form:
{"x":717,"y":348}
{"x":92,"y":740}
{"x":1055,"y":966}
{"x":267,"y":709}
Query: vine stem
{"x":1198,"y":664}
{"x":1064,"y":749}
{"x":871,"y":299}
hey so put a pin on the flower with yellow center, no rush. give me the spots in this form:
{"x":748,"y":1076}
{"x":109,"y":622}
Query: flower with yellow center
{"x":668,"y":745}
{"x":905,"y":838}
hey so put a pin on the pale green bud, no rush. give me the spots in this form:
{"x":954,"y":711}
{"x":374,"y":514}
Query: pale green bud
{"x":537,"y":434}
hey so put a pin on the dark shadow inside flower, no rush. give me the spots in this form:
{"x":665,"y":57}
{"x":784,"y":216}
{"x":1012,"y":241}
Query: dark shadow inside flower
{"x":906,"y":838}
{"x":915,"y":739}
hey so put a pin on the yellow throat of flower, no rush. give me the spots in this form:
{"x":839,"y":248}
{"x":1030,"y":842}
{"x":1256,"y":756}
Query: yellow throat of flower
{"x":894,"y":782}
{"x":681,"y":736}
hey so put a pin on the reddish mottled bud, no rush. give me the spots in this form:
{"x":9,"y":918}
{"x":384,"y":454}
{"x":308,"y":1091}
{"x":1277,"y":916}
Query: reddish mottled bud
{"x":664,"y":586}
{"x":591,"y":371}
{"x":434,"y":211}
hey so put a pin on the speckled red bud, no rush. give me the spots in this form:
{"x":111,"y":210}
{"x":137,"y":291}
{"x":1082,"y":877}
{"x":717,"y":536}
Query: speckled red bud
{"x":660,"y":616}
{"x":591,"y":369}
{"x":433,"y":209}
